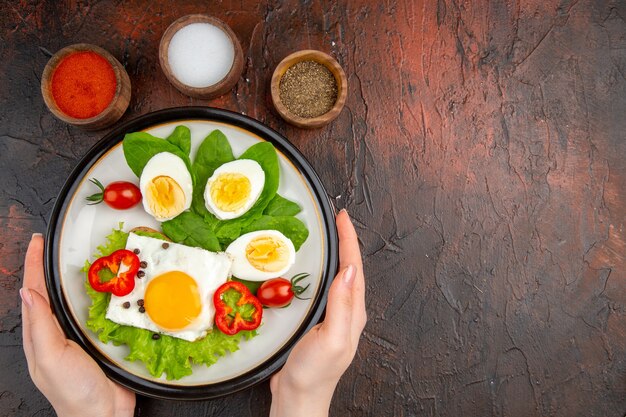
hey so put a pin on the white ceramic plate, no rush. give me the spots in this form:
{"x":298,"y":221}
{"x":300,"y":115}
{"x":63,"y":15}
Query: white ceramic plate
{"x":76,"y":229}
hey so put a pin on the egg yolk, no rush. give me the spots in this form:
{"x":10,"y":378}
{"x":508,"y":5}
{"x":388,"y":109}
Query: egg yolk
{"x":172,"y":300}
{"x":165,"y":197}
{"x":266,"y":253}
{"x":230,"y":191}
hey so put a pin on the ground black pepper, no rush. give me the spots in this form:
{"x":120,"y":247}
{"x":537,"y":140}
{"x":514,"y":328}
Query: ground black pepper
{"x":308,"y":89}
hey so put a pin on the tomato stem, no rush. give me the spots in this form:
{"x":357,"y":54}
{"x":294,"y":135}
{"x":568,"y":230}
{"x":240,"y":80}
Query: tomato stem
{"x":297,"y":289}
{"x":98,"y":197}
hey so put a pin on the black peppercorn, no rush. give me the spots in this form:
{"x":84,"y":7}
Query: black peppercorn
{"x":165,"y":245}
{"x":136,"y":251}
{"x":126,"y":305}
{"x":143,"y":264}
{"x":155,"y":336}
{"x":140,"y":274}
{"x":142,"y":309}
{"x":140,"y":302}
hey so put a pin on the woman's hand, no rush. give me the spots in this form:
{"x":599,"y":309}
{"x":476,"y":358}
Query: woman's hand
{"x":305,"y":385}
{"x":63,"y":372}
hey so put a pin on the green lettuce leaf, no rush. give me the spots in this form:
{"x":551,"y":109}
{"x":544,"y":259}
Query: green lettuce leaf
{"x":290,"y":226}
{"x":168,"y":355}
{"x":116,"y":240}
{"x":190,"y":229}
{"x":280,"y":206}
{"x":139,"y":147}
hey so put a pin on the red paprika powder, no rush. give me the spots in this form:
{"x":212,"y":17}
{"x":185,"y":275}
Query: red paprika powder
{"x":83,"y":84}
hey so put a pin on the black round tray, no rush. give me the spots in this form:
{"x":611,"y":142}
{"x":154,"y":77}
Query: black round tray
{"x":73,"y":329}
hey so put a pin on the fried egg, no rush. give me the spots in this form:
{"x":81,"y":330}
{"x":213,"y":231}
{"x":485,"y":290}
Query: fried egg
{"x":233,"y":188}
{"x":175,"y":291}
{"x":166,"y":186}
{"x":261,"y":255}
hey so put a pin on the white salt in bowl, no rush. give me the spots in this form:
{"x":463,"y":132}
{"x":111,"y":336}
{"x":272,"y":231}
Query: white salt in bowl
{"x":201,"y":56}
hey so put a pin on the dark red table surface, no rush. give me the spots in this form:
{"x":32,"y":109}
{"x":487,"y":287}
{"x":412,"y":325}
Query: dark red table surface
{"x":481,"y":154}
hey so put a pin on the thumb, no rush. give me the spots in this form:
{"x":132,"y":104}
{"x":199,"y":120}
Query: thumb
{"x":43,"y":332}
{"x":338,"y":319}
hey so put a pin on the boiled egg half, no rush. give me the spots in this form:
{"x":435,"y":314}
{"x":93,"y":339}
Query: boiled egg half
{"x":166,"y":186}
{"x":233,"y":188}
{"x":261,"y":255}
{"x":174,"y":294}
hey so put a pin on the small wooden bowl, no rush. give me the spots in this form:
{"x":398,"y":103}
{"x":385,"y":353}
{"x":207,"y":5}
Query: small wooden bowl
{"x":114,"y":110}
{"x":211,"y":91}
{"x":328,"y":62}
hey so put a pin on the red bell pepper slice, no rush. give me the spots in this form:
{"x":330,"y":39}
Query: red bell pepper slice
{"x":124,"y":282}
{"x":229,"y":321}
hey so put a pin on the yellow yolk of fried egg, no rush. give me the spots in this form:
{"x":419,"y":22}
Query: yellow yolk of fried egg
{"x":261,"y":255}
{"x":172,"y":300}
{"x":233,"y":188}
{"x":166,"y":186}
{"x":176,"y":290}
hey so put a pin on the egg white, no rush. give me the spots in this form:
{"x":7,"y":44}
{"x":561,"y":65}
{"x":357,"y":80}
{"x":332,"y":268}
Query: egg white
{"x":169,"y":165}
{"x":243,"y":269}
{"x":208,"y":269}
{"x":246,"y":167}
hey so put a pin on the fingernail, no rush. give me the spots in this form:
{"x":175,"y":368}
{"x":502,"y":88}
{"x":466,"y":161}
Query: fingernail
{"x":27,"y":297}
{"x":36,"y":235}
{"x":343,"y":210}
{"x":348,"y":275}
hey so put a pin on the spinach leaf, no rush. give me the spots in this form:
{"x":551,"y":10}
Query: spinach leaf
{"x":226,"y":232}
{"x":253,"y":286}
{"x":290,"y":226}
{"x":154,"y":235}
{"x":181,"y":138}
{"x":280,"y":206}
{"x":265,"y":154}
{"x":190,"y":229}
{"x":139,"y":147}
{"x":212,"y":153}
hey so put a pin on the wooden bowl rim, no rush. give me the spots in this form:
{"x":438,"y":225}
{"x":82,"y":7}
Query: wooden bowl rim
{"x":330,"y":63}
{"x":53,"y":62}
{"x":230,"y":79}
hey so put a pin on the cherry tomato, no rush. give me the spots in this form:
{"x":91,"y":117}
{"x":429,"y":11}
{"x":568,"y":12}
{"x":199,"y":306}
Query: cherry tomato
{"x":275,"y":292}
{"x":120,"y":195}
{"x":279,"y":292}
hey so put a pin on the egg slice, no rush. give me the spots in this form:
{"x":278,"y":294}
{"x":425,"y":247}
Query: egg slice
{"x":166,"y":186}
{"x":261,"y":255}
{"x":233,"y":188}
{"x":175,"y":291}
